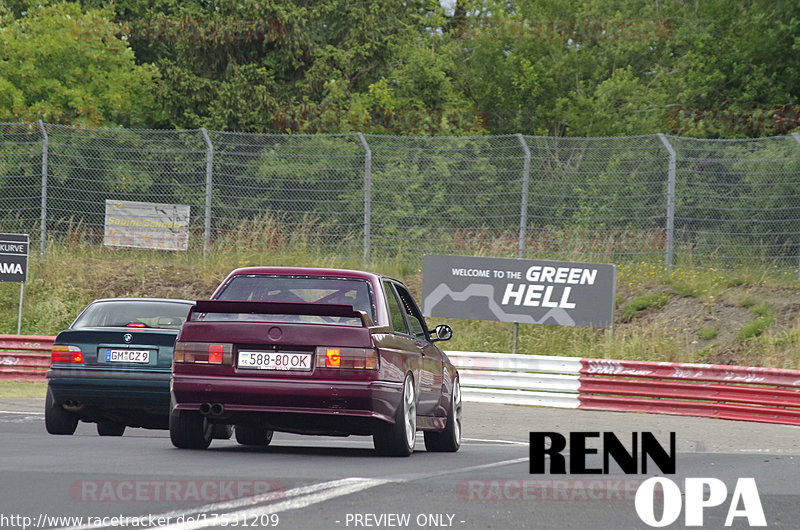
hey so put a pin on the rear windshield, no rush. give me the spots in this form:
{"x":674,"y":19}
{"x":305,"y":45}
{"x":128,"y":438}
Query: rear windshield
{"x":309,"y":289}
{"x":134,"y":314}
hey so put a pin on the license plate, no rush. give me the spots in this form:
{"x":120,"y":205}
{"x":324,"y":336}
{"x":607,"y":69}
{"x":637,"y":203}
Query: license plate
{"x":128,"y":356}
{"x":260,"y":360}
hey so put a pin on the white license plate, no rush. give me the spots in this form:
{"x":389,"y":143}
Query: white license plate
{"x":261,"y":360}
{"x":128,"y":356}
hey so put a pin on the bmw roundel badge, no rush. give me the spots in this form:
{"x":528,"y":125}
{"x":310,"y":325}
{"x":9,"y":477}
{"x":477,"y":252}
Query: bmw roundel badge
{"x":127,"y":337}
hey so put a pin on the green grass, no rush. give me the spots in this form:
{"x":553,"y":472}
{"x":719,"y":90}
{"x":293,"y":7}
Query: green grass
{"x":61,"y":284}
{"x":756,"y":328}
{"x":761,"y":310}
{"x":20,"y":389}
{"x":747,"y":301}
{"x":640,"y":303}
{"x":708,"y":333}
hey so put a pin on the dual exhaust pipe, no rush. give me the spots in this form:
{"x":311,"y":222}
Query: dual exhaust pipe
{"x":72,"y":404}
{"x":212,"y":409}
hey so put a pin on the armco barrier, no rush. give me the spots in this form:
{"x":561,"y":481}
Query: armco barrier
{"x":728,"y":392}
{"x":25,"y":357}
{"x":517,"y":379}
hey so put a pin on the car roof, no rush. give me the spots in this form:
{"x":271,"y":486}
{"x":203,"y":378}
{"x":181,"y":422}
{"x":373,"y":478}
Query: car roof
{"x":307,"y":271}
{"x":144,"y":299}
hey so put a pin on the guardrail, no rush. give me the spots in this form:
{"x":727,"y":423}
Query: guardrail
{"x":518,"y":379}
{"x":25,"y":357}
{"x":729,"y":392}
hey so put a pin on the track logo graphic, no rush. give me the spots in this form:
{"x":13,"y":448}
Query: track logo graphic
{"x":744,"y":503}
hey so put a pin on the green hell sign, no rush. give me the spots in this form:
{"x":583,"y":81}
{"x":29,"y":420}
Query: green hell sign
{"x":516,"y":290}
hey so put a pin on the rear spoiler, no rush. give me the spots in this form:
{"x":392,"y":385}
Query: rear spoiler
{"x":280,"y":308}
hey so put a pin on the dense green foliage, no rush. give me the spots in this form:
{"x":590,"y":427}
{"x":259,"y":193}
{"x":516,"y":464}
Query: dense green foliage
{"x":62,"y":64}
{"x":466,"y":69}
{"x":715,"y":68}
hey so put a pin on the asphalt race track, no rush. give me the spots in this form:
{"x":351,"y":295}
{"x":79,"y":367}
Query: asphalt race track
{"x":301,"y":482}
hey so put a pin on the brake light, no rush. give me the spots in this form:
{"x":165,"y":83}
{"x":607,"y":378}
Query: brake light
{"x":134,"y":325}
{"x":357,"y":358}
{"x":333,"y":357}
{"x":203,"y":353}
{"x":215,"y":353}
{"x":66,"y":354}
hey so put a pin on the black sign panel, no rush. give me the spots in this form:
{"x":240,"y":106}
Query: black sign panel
{"x":13,"y":257}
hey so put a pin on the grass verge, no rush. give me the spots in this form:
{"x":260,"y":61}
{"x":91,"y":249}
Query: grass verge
{"x":654,"y":320}
{"x":22,"y":389}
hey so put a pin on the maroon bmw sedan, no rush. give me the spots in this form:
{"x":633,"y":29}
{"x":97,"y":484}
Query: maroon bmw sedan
{"x":313,"y":351}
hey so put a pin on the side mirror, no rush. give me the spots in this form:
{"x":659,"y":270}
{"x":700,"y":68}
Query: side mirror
{"x":443,"y":332}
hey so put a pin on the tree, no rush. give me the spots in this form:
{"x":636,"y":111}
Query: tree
{"x":66,"y":66}
{"x":599,"y":68}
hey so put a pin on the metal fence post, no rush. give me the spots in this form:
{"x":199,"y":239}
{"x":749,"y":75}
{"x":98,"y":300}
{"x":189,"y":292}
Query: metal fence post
{"x":43,"y":227}
{"x":367,"y":195}
{"x":526,"y":177}
{"x":523,"y":218}
{"x":670,"y":199}
{"x":209,"y":186}
{"x":796,"y":138}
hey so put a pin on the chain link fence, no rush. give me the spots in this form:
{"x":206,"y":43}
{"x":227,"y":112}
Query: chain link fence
{"x":656,"y":198}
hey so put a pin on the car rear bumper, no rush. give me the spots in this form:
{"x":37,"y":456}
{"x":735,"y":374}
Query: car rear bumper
{"x":105,"y":389}
{"x":365,"y":399}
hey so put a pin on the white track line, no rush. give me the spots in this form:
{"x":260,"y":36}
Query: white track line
{"x":280,"y":501}
{"x":291,"y":504}
{"x":507,"y":442}
{"x":245,"y":502}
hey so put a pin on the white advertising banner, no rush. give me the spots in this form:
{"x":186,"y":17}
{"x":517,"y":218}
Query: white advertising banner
{"x":146,"y":225}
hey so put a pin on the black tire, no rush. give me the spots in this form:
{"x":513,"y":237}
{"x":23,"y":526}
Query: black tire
{"x":56,"y":419}
{"x":109,"y":428}
{"x":221,"y":431}
{"x":246,"y":435}
{"x":448,"y":440}
{"x":399,"y":438}
{"x":189,"y":430}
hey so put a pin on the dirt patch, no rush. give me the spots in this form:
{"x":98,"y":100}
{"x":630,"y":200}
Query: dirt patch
{"x":709,"y":327}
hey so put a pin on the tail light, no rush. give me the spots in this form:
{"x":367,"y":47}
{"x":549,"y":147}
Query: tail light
{"x":203,"y":353}
{"x":66,"y":354}
{"x":358,"y":358}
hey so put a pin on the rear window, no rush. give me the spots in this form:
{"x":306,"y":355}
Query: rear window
{"x":308,"y":289}
{"x":134,"y":314}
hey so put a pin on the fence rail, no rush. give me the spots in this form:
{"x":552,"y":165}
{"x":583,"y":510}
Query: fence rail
{"x":25,"y":357}
{"x":728,"y":392}
{"x":655,"y":198}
